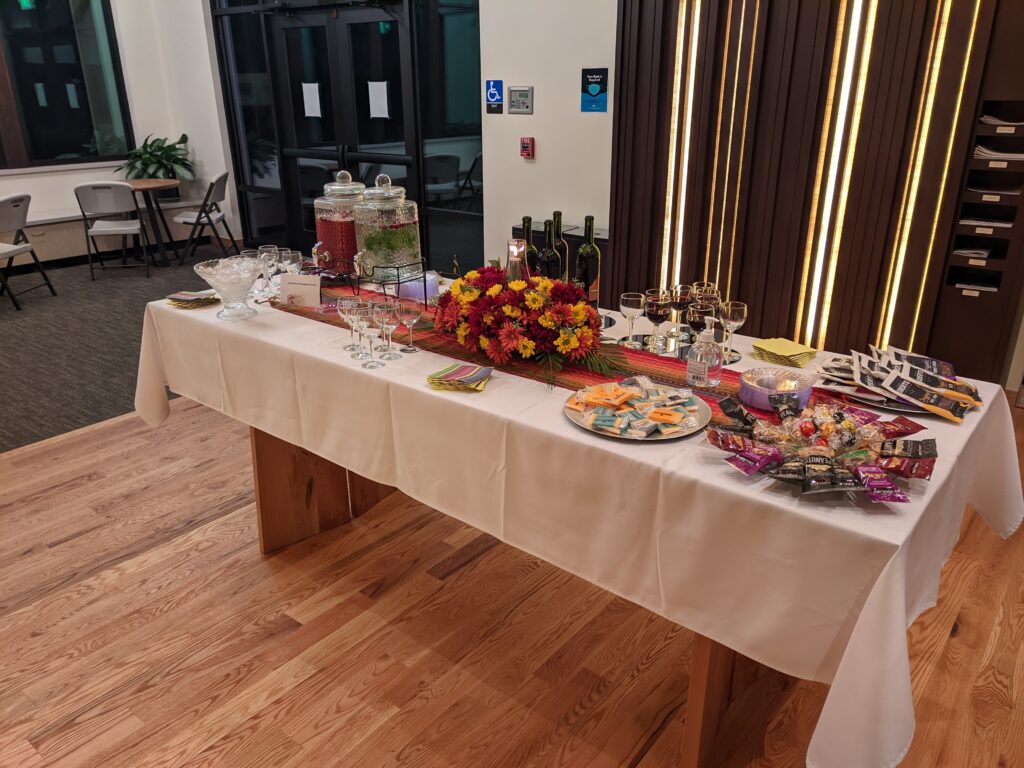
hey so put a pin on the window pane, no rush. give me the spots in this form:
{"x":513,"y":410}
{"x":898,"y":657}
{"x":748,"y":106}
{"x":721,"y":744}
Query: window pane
{"x":377,"y":76}
{"x":59,"y":55}
{"x":243,"y":44}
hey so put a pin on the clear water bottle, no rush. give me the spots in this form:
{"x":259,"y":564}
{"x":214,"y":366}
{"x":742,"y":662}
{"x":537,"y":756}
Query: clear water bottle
{"x":704,"y":360}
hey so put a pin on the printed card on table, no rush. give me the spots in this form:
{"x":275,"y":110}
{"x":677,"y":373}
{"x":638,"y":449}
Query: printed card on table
{"x":301,"y":290}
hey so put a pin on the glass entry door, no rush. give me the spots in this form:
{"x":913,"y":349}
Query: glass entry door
{"x":343,"y":82}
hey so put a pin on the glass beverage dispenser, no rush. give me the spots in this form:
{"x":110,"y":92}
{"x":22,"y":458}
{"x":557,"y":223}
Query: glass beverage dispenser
{"x":336,"y":249}
{"x":388,"y":233}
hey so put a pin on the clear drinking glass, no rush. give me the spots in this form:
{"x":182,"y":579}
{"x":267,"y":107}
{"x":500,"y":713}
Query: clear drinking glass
{"x":657,"y":306}
{"x":373,"y":326}
{"x":409,"y":313}
{"x":631,"y":305}
{"x":345,"y":306}
{"x":387,"y":317}
{"x":695,"y":315}
{"x":268,"y":257}
{"x":681,"y":297}
{"x":733,"y":315}
{"x":360,"y":319}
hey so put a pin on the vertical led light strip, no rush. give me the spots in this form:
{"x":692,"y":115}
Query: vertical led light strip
{"x":743,"y":146}
{"x":833,"y":169}
{"x":945,"y":173}
{"x":819,"y":172}
{"x":908,"y":216}
{"x":718,"y":138}
{"x":851,"y":153}
{"x":728,"y":147}
{"x":673,"y":146}
{"x":930,"y":64}
{"x":691,"y":76}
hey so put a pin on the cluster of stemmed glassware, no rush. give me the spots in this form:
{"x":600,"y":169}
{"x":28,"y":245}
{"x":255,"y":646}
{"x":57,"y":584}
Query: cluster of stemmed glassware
{"x":692,"y":304}
{"x":375,"y":319}
{"x":274,"y":261}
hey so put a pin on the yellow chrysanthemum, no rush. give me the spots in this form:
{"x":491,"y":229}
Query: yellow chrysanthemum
{"x":456,"y":286}
{"x":468,"y":295}
{"x":488,"y":318}
{"x":534,"y":300}
{"x":579,"y":312}
{"x":544,"y":285}
{"x":494,"y":290}
{"x":484,"y":342}
{"x":526,"y":348}
{"x":547,"y":320}
{"x":513,"y":312}
{"x":471,"y":275}
{"x":517,"y":285}
{"x":585,"y":335}
{"x":461,"y":332}
{"x":566,"y":342}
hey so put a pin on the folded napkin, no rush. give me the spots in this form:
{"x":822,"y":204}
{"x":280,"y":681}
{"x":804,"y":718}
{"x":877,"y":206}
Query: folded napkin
{"x":784,"y":352}
{"x":459,"y":377}
{"x":192,"y":299}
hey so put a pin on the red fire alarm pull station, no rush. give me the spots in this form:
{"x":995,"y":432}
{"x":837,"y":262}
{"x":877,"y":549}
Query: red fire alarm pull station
{"x":526,"y":147}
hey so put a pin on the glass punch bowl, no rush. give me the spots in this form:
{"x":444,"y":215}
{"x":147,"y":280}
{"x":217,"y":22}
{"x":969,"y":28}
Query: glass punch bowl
{"x":231,"y":278}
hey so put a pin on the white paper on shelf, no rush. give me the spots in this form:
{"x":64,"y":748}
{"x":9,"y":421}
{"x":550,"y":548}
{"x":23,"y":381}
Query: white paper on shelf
{"x":1007,"y":191}
{"x":992,"y":120}
{"x":985,"y":223}
{"x":987,"y":153}
{"x":972,"y":253}
{"x":311,"y":100}
{"x":972,"y":287}
{"x":378,"y":98}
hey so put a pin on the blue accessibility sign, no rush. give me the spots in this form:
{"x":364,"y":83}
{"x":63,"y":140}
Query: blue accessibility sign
{"x":494,"y":91}
{"x":494,"y":96}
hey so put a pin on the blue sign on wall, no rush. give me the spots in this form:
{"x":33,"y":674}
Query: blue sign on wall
{"x":594,"y":90}
{"x":494,"y":96}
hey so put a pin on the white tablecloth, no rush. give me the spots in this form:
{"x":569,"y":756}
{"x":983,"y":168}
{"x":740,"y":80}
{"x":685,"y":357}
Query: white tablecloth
{"x":819,"y":589}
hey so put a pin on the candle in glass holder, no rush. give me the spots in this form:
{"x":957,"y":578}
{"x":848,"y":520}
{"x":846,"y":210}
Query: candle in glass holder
{"x":515,"y":265}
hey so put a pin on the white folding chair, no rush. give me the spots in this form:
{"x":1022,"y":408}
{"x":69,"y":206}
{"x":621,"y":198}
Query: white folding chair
{"x":100,"y":200}
{"x":208,"y":215}
{"x":13,"y":218}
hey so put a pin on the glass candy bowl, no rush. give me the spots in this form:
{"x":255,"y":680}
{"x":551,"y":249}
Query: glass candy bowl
{"x":231,"y":278}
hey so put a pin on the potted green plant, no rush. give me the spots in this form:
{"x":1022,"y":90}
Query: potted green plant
{"x":160,"y":159}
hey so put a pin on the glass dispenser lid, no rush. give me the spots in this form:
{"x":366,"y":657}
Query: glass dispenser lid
{"x":343,"y":186}
{"x":384,"y":191}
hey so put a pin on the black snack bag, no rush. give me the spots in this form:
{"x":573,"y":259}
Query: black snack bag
{"x":928,"y":399}
{"x":819,"y":474}
{"x":786,"y":404}
{"x":908,"y":449}
{"x":791,"y":470}
{"x":732,"y":408}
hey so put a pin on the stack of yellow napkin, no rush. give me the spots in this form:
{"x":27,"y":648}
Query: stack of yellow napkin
{"x":783,"y":352}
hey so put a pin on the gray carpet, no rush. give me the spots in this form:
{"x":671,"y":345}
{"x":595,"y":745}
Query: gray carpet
{"x":70,"y":360}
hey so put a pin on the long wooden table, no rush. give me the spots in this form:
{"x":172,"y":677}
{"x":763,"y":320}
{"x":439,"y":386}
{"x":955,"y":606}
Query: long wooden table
{"x":300,"y":494}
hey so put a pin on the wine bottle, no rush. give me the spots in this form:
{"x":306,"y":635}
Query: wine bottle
{"x":549,"y":260}
{"x":588,"y":263}
{"x":561,"y":246}
{"x":531,"y":249}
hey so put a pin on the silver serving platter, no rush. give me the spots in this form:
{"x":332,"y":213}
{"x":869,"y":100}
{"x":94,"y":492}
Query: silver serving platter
{"x":702,"y":415}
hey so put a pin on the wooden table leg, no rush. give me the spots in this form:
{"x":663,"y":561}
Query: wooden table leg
{"x":364,"y":494}
{"x":298,"y":494}
{"x":711,"y":672}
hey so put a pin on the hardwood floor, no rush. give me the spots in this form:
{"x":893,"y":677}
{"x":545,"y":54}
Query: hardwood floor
{"x":140,"y":626}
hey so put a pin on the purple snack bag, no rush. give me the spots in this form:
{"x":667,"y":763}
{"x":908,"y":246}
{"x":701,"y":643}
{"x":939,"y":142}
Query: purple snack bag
{"x":755,"y":459}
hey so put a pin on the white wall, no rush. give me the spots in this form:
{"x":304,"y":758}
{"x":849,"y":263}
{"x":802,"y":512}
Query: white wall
{"x":572,"y":168}
{"x":168,"y":61}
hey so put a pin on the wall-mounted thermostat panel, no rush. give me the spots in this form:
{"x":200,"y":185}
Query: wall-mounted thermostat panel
{"x":520,"y":99}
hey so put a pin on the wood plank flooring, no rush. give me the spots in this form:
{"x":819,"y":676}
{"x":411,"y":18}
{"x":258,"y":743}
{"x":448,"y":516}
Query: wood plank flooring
{"x":140,"y":626}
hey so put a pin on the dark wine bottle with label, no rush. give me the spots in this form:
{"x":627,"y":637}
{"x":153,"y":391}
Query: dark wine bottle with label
{"x":588,"y":263}
{"x":561,"y":246}
{"x":531,"y":249}
{"x":549,"y":260}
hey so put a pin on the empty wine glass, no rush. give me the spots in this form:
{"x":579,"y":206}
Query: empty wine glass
{"x":631,"y":305}
{"x":409,"y":313}
{"x":733,"y":314}
{"x":373,"y":326}
{"x":268,"y":257}
{"x":387,"y":318}
{"x":345,"y":307}
{"x":360,"y":319}
{"x":657,"y":306}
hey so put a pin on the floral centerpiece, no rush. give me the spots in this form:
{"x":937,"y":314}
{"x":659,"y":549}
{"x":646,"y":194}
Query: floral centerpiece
{"x":537,"y":319}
